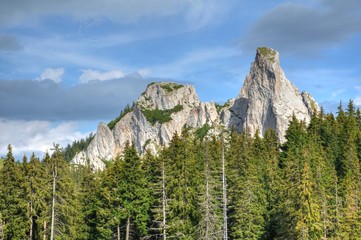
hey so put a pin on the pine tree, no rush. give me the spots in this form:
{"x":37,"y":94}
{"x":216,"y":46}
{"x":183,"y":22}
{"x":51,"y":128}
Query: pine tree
{"x":65,"y":206}
{"x":272,"y":181}
{"x":134,"y":192}
{"x":291,"y":163}
{"x":183,"y":180}
{"x":155,"y":171}
{"x":210,"y":225}
{"x":308,"y":213}
{"x":90,"y":202}
{"x":247,"y":198}
{"x":13,"y":203}
{"x":37,"y":196}
{"x":110,"y":212}
{"x":350,"y":187}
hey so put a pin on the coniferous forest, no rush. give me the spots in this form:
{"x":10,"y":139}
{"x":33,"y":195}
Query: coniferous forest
{"x":231,"y":186}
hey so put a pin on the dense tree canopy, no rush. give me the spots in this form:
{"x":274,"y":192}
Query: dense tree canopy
{"x":307,"y":188}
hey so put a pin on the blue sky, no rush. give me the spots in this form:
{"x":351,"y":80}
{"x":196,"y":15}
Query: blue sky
{"x":66,"y":65}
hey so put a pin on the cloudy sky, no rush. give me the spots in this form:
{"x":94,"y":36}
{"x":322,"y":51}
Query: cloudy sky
{"x":66,"y":65}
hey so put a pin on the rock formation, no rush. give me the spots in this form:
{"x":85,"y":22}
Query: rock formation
{"x":266,"y":100}
{"x":161,"y":111}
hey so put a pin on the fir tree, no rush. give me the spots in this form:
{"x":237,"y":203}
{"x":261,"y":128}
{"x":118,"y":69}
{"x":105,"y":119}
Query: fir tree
{"x":13,"y":205}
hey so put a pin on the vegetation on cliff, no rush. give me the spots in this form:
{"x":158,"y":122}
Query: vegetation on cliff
{"x":161,"y":116}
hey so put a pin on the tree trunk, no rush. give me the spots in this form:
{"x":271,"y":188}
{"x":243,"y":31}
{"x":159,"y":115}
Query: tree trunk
{"x":118,"y":229}
{"x":337,"y":210}
{"x":164,"y":203}
{"x":31,"y":220}
{"x":224,"y":190}
{"x":44,"y":235}
{"x":1,"y":229}
{"x":31,"y":228}
{"x":207,"y":199}
{"x":53,"y":205}
{"x":127,"y":229}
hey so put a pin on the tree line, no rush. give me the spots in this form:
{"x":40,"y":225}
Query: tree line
{"x":231,"y":186}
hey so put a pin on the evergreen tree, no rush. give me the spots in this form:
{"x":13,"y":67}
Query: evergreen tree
{"x":210,"y":225}
{"x":65,"y":206}
{"x":134,"y":192}
{"x":247,"y":200}
{"x":90,"y":202}
{"x":125,"y":198}
{"x":350,"y":192}
{"x":38,"y":195}
{"x":155,"y":171}
{"x":13,"y":205}
{"x":183,"y":180}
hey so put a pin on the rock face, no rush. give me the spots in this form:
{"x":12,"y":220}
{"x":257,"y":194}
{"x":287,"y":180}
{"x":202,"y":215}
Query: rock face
{"x":266,"y":100}
{"x":100,"y":148}
{"x":177,"y":105}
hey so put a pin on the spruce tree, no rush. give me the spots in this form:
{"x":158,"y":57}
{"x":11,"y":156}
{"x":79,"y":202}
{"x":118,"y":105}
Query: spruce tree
{"x":13,"y":205}
{"x":183,"y":180}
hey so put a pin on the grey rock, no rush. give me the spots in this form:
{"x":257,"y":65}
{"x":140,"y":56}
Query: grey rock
{"x":101,"y":148}
{"x":267,"y":100}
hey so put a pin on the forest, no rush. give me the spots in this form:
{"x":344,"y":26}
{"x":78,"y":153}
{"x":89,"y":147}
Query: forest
{"x":229,"y":186}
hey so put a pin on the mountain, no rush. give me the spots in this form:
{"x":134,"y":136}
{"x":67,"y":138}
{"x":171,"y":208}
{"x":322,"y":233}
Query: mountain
{"x":266,"y":100}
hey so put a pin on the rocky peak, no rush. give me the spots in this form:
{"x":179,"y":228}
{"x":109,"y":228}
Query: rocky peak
{"x":268,"y":99}
{"x":267,"y":56}
{"x":167,"y":95}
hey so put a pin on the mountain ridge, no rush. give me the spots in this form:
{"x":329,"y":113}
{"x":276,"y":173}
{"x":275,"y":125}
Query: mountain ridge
{"x":266,"y":100}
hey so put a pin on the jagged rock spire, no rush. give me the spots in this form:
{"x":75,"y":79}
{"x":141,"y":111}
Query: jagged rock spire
{"x":268,"y":99}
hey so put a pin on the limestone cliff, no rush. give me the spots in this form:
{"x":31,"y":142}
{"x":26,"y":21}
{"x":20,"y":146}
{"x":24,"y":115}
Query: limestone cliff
{"x":161,"y":111}
{"x":266,"y":100}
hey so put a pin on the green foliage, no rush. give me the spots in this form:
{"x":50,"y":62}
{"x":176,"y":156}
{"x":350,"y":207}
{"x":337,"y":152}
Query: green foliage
{"x":307,"y":188}
{"x":160,"y":116}
{"x":79,"y":145}
{"x":219,"y":107}
{"x":169,"y":87}
{"x":183,"y":181}
{"x":125,"y":195}
{"x":1,"y":163}
{"x":202,"y":132}
{"x":267,"y":53}
{"x":126,"y":110}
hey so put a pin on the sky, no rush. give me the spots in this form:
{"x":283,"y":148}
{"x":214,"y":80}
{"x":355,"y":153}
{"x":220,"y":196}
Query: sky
{"x":67,"y":65}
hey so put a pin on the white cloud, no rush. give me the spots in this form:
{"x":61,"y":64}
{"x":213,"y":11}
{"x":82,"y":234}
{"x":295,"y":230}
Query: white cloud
{"x":53,"y":74}
{"x":357,"y":100}
{"x":90,"y":74}
{"x":35,"y":136}
{"x":338,"y":92}
{"x":193,"y":11}
{"x":193,"y":59}
{"x":144,"y":72}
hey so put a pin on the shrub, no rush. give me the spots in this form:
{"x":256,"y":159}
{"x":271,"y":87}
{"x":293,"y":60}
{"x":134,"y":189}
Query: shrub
{"x":202,"y":132}
{"x":162,"y":116}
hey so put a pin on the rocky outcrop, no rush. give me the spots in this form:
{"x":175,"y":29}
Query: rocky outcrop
{"x":161,"y":111}
{"x":100,"y":148}
{"x":266,"y":100}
